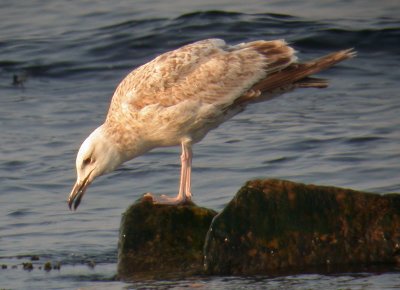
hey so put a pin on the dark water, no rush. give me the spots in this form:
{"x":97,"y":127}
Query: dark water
{"x":69,"y":57}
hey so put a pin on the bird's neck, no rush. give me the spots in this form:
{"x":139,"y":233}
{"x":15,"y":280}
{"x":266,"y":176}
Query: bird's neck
{"x":128,"y":142}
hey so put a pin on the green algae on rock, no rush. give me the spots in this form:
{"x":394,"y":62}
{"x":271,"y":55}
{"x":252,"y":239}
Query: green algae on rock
{"x":274,"y":224}
{"x":159,"y":241}
{"x":28,"y":266}
{"x":47,"y":266}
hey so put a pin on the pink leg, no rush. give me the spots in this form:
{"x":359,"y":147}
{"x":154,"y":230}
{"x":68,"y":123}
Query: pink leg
{"x":187,"y":153}
{"x":184,"y":193}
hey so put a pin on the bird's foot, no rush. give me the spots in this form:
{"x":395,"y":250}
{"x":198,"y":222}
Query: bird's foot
{"x":163,"y":199}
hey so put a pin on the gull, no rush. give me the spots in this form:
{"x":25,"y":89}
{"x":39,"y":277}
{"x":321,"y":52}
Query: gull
{"x":179,"y":96}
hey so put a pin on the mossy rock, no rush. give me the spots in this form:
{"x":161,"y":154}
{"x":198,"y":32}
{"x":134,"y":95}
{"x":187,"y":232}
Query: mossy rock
{"x":162,"y":241}
{"x":275,"y":224}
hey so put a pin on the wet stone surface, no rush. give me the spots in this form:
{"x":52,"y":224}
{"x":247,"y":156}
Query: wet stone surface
{"x":159,"y":241}
{"x":270,"y":226}
{"x":275,"y":224}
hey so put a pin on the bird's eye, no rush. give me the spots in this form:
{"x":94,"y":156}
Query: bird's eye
{"x":87,"y":161}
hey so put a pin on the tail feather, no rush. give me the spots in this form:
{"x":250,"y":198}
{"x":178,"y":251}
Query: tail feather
{"x":298,"y":73}
{"x":310,"y":82}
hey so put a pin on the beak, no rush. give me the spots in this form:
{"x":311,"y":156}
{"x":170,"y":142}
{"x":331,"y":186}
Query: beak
{"x":77,"y":192}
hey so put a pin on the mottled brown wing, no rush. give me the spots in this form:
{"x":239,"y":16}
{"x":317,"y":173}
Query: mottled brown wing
{"x":208,"y":71}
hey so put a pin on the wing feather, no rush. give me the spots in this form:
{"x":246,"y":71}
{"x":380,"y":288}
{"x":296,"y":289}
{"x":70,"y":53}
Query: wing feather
{"x":208,"y":71}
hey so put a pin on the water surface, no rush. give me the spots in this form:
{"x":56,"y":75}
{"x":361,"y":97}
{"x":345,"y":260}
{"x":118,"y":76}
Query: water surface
{"x":74,"y":53}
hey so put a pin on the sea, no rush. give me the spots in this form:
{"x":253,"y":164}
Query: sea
{"x":60,"y":62}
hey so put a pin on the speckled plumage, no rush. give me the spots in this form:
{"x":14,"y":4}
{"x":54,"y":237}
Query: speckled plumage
{"x":197,"y":83}
{"x":181,"y":95}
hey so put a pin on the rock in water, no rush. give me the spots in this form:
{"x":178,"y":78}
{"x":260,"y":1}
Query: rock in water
{"x":275,"y":225}
{"x":162,"y":241}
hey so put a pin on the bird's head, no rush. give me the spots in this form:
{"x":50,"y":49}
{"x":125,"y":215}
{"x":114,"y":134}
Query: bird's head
{"x":97,"y":156}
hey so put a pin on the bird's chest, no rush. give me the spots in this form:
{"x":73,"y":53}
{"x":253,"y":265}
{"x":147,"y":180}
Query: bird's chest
{"x":167,"y":126}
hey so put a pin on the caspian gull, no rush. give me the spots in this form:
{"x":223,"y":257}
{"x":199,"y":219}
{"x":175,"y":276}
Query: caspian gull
{"x":178,"y":97}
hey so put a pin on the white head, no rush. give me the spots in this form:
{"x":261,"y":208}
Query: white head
{"x":96,"y":156}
